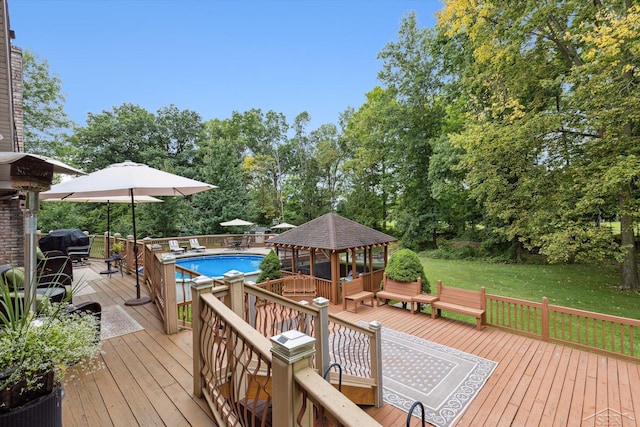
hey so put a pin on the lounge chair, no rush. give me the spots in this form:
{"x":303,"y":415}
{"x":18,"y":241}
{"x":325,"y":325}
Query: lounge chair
{"x":196,"y":246}
{"x":175,"y":247}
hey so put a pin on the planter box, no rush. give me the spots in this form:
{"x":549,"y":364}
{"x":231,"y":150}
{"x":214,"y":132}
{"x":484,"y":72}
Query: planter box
{"x":15,"y":396}
{"x":44,"y":411}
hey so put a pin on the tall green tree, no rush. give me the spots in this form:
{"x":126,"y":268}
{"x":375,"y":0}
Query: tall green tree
{"x":305,"y":194}
{"x":554,"y":141}
{"x":45,"y":121}
{"x":263,"y":135}
{"x":127,"y":132}
{"x":220,"y":163}
{"x":412,"y":73}
{"x":371,"y":141}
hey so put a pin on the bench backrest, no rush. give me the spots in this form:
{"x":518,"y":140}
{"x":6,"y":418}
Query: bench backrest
{"x":464,"y":297}
{"x":350,"y":287}
{"x":404,"y":288}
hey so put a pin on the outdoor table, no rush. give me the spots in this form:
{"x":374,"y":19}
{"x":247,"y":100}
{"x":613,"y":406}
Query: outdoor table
{"x":109,"y":270}
{"x":55,"y":294}
{"x":424,"y":299}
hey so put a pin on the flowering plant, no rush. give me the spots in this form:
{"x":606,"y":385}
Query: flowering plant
{"x":36,"y":348}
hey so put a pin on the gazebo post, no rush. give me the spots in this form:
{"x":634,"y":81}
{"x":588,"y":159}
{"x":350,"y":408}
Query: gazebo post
{"x":354,"y":264}
{"x":335,"y":277}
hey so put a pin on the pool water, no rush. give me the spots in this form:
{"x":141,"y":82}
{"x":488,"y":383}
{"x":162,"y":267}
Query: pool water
{"x":218,"y":265}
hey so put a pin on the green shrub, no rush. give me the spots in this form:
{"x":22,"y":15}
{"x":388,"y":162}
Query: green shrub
{"x":270,"y":267}
{"x":405,"y":266}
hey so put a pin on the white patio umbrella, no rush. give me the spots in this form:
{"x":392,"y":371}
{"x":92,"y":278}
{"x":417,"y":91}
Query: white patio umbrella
{"x":128,"y":179}
{"x":31,"y":173}
{"x":284,"y":225}
{"x":235,"y":223}
{"x":108,"y":201}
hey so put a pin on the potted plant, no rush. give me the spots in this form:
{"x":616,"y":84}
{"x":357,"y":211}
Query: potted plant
{"x":116,"y":250}
{"x":36,"y":350}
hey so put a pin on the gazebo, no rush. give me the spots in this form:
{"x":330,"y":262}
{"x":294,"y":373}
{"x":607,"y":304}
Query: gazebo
{"x":329,"y":247}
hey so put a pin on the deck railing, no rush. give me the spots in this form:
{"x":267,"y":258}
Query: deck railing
{"x":356,"y":348}
{"x":606,"y":334}
{"x":236,"y":368}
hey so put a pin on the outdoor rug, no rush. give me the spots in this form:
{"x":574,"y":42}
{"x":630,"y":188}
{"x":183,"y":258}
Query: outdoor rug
{"x":85,"y":275}
{"x":83,"y":289}
{"x":444,"y":379}
{"x":116,"y":322}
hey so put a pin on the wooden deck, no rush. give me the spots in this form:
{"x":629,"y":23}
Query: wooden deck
{"x":146,"y":379}
{"x":147,"y":376}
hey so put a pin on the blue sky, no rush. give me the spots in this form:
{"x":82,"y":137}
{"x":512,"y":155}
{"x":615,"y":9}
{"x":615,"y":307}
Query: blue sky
{"x":214,"y":56}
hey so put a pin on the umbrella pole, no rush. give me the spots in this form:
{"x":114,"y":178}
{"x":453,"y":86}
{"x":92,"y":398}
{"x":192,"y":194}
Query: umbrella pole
{"x":108,"y":254}
{"x":138,"y":300}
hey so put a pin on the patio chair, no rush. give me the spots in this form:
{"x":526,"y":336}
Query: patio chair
{"x":79,"y":254}
{"x":175,"y":247}
{"x":56,"y":286}
{"x":229,"y":243}
{"x":244,"y":244}
{"x":196,"y":246}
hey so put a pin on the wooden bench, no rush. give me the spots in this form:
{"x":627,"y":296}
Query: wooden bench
{"x":299,"y":287}
{"x":399,"y":291}
{"x":354,"y":290}
{"x":461,"y":301}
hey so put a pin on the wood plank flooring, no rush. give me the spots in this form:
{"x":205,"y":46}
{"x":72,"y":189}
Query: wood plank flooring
{"x":147,"y":380}
{"x":534,"y":384}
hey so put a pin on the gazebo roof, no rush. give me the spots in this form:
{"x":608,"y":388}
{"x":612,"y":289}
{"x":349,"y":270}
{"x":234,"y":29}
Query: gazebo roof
{"x":332,"y":232}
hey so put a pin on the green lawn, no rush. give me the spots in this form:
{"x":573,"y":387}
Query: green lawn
{"x":586,"y":287}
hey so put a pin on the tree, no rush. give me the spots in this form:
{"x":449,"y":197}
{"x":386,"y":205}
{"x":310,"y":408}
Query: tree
{"x":369,"y":172}
{"x":305,"y":190}
{"x":554,"y":91}
{"x":220,"y":163}
{"x":413,"y":74}
{"x":263,"y":136}
{"x":127,"y":132}
{"x":45,"y":121}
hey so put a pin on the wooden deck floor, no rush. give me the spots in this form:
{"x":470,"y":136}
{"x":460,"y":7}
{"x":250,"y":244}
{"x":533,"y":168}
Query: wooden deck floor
{"x":147,"y":376}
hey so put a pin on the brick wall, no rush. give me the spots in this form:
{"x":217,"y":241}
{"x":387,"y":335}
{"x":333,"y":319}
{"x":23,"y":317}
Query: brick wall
{"x":11,"y":216}
{"x":12,"y":232}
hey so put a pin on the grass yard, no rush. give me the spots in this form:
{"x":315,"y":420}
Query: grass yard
{"x":586,"y":287}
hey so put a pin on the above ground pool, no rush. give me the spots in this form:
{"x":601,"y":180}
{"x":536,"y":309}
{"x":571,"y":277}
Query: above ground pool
{"x":218,"y":265}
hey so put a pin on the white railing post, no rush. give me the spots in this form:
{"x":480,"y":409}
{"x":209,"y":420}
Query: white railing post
{"x":376,"y":360}
{"x":252,"y":306}
{"x":322,"y":333}
{"x":198,"y":287}
{"x":292,"y":351}
{"x":168,"y":293}
{"x":235,"y":280}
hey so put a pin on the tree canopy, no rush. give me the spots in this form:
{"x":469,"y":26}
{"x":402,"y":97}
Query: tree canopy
{"x":511,"y":125}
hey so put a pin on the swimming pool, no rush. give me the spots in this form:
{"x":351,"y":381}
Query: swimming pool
{"x":218,"y":265}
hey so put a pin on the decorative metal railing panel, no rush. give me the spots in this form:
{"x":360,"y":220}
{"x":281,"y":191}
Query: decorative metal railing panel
{"x":236,"y":374}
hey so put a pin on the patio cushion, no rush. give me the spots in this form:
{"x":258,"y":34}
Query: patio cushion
{"x":15,"y":276}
